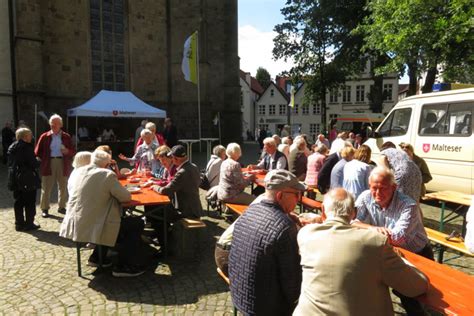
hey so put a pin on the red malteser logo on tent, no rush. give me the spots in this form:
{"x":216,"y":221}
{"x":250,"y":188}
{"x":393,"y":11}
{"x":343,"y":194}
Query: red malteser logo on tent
{"x":115,"y":113}
{"x":426,"y":147}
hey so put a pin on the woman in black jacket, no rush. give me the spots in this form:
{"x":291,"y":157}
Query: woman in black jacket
{"x":23,"y":179}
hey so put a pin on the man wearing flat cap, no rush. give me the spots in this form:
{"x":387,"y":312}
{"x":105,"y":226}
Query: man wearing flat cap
{"x":185,"y":184}
{"x":264,"y":264}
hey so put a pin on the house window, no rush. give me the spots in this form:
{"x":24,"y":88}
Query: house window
{"x":305,"y":109}
{"x":360,"y":93}
{"x":241,"y":99}
{"x":261,"y":109}
{"x":282,"y":109}
{"x":333,"y":96}
{"x":387,"y":92}
{"x":295,"y":109}
{"x":314,"y":128}
{"x":346,"y":94}
{"x":316,"y":108}
{"x":272,"y":92}
{"x":107,"y":45}
{"x":271,"y":109}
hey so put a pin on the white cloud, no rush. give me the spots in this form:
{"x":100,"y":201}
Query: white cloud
{"x":255,"y":50}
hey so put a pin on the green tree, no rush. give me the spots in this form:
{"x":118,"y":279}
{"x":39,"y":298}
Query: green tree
{"x":263,"y":77}
{"x":318,"y":36}
{"x":419,"y":35}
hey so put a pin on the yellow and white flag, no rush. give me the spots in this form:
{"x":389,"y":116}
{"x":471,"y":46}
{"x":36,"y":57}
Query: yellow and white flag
{"x":189,"y":64}
{"x":292,"y":97}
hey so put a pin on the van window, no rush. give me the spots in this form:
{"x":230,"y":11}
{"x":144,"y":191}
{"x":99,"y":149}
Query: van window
{"x":346,"y":126}
{"x":446,"y":119}
{"x":396,"y":124}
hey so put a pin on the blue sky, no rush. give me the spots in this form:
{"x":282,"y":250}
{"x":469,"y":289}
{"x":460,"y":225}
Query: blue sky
{"x":257,"y":19}
{"x":262,"y":14}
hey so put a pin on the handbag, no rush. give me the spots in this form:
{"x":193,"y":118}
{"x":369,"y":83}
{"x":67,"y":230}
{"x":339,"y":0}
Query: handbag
{"x":205,"y":184}
{"x":11,"y":180}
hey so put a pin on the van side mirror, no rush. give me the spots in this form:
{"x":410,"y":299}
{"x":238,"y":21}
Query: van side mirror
{"x":369,"y":131}
{"x":372,"y":133}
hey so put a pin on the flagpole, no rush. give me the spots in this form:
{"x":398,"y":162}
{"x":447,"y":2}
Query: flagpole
{"x":198,"y":88}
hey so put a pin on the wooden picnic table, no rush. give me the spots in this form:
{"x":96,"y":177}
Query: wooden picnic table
{"x":239,"y":209}
{"x":443,"y":197}
{"x":148,"y":197}
{"x":451,"y":291}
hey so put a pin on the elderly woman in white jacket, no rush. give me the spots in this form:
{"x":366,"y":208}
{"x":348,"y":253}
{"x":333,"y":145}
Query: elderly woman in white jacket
{"x":213,"y":168}
{"x":94,"y":215}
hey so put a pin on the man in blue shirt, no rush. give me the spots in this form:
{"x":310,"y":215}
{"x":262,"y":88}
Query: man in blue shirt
{"x":396,"y":216}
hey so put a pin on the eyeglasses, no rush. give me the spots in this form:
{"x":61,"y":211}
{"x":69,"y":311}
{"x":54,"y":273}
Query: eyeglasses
{"x":297,"y":194}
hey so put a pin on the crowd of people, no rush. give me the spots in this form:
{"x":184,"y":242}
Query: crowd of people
{"x":278,"y":262}
{"x":89,"y":192}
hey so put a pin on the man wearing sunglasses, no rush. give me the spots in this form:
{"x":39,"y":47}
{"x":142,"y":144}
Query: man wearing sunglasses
{"x":264,"y":264}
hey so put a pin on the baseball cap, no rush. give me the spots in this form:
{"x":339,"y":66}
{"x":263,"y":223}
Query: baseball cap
{"x":177,"y":151}
{"x":281,"y":179}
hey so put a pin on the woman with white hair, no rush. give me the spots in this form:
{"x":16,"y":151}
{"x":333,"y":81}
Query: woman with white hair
{"x":232,"y":182}
{"x":297,"y":159}
{"x":213,"y":168}
{"x":285,"y":149}
{"x":23,"y":179}
{"x":81,"y":159}
{"x":144,"y":157}
{"x":158,"y":138}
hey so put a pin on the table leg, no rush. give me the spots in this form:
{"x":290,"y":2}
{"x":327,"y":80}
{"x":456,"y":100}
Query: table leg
{"x":441,"y":219}
{"x":208,"y":148}
{"x":190,"y":152}
{"x":165,"y":232}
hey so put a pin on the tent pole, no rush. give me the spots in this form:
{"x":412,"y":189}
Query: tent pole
{"x":199,"y":90}
{"x":77,"y":137}
{"x":219,"y":121}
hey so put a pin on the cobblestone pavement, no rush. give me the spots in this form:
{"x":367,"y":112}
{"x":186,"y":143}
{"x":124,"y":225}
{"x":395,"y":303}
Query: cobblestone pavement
{"x":38,"y":275}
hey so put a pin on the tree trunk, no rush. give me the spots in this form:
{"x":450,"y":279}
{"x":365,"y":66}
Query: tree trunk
{"x":430,"y":80}
{"x":376,"y":93}
{"x":412,"y":74}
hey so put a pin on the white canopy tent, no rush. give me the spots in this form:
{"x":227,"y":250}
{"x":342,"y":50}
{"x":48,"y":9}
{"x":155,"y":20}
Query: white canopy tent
{"x":115,"y":104}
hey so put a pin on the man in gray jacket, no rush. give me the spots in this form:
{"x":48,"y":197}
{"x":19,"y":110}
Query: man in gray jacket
{"x":94,"y":215}
{"x":347,"y":270}
{"x":185,"y":184}
{"x":185,"y":187}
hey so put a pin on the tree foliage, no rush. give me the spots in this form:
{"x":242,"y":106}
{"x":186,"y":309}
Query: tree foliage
{"x":318,"y":36}
{"x":419,"y":35}
{"x":263,"y":77}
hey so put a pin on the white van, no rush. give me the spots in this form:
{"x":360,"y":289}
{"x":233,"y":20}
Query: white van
{"x":439,"y":126}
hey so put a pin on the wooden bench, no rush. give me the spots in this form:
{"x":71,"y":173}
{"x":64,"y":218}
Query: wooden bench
{"x":308,"y":203}
{"x":187,"y":236}
{"x":226,"y":280}
{"x":455,"y":244}
{"x":239,"y":209}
